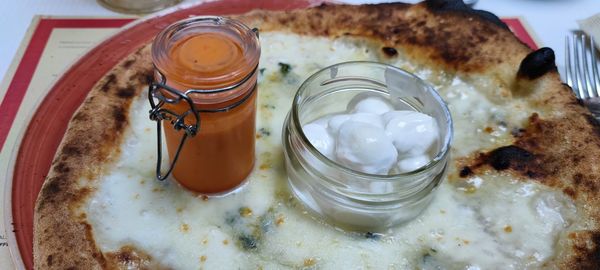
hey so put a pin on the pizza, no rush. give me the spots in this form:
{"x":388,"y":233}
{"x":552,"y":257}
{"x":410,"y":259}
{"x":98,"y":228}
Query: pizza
{"x":521,"y":191}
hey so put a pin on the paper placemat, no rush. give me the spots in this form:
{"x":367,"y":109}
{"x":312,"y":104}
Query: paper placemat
{"x":49,"y":47}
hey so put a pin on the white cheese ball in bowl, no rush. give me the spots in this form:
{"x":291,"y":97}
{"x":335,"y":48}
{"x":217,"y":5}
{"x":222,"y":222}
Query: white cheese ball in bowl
{"x":413,"y":133}
{"x":365,"y":147}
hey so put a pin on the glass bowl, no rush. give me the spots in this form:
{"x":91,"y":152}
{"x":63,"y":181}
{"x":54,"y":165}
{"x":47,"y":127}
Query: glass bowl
{"x":347,"y":198}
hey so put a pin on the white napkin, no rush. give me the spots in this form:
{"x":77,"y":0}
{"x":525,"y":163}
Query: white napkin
{"x":591,"y":26}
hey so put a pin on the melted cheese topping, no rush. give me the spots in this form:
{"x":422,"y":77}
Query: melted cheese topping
{"x":485,"y":222}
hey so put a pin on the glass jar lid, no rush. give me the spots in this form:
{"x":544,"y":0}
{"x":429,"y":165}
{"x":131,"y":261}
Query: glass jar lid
{"x":206,"y":52}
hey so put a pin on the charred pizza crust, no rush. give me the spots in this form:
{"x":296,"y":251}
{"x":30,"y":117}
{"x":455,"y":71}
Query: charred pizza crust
{"x":443,"y":35}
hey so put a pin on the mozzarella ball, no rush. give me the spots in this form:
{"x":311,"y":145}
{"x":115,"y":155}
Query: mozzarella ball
{"x":320,"y":139}
{"x":371,"y":104}
{"x":336,"y":122}
{"x":365,"y":148}
{"x":322,"y":121}
{"x":368,"y":118}
{"x":412,"y":133}
{"x":410,"y":164}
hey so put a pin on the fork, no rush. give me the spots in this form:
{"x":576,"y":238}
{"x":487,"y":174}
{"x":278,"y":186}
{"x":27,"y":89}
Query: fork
{"x":581,"y":64}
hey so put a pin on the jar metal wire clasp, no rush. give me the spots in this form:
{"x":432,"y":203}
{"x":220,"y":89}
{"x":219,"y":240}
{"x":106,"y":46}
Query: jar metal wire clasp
{"x":158,"y":114}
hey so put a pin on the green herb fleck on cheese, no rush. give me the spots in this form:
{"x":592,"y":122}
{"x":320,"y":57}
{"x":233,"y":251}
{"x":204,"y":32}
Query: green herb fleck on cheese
{"x":263,"y":132}
{"x":373,"y":236}
{"x":232,"y":218}
{"x":248,"y":228}
{"x":247,"y":242}
{"x":284,"y":68}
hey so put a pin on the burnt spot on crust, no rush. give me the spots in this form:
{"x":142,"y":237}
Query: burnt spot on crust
{"x":460,"y":6}
{"x":586,"y":250}
{"x":120,"y":117}
{"x":142,"y":77}
{"x":49,"y":260}
{"x":585,"y":181}
{"x":111,"y":79}
{"x":71,"y":150}
{"x":543,"y":152}
{"x":57,"y":190}
{"x":61,"y":168}
{"x":537,"y":63}
{"x":53,"y":187}
{"x":126,"y":92}
{"x":509,"y":157}
{"x":128,"y":63}
{"x":50,"y":190}
{"x":465,"y":171}
{"x":389,"y":51}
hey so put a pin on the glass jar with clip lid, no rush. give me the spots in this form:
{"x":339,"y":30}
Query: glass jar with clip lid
{"x":205,"y":91}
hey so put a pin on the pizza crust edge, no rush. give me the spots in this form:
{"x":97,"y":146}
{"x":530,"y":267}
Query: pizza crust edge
{"x":62,"y":236}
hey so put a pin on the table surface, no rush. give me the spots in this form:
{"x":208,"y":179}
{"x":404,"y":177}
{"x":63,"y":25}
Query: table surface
{"x":550,"y":20}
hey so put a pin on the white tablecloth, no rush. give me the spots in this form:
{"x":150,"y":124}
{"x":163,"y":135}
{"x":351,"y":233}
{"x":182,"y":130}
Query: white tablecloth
{"x":550,"y":20}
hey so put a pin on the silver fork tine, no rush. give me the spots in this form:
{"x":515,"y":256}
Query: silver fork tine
{"x":587,"y":71}
{"x":596,"y":76}
{"x":568,"y":67}
{"x":579,"y":77}
{"x":577,"y":74}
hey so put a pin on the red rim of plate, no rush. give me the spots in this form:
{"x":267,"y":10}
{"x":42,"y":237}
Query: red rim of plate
{"x":53,"y":113}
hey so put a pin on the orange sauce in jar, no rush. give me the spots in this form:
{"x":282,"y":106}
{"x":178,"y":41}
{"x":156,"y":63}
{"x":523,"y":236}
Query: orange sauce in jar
{"x":207,"y":57}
